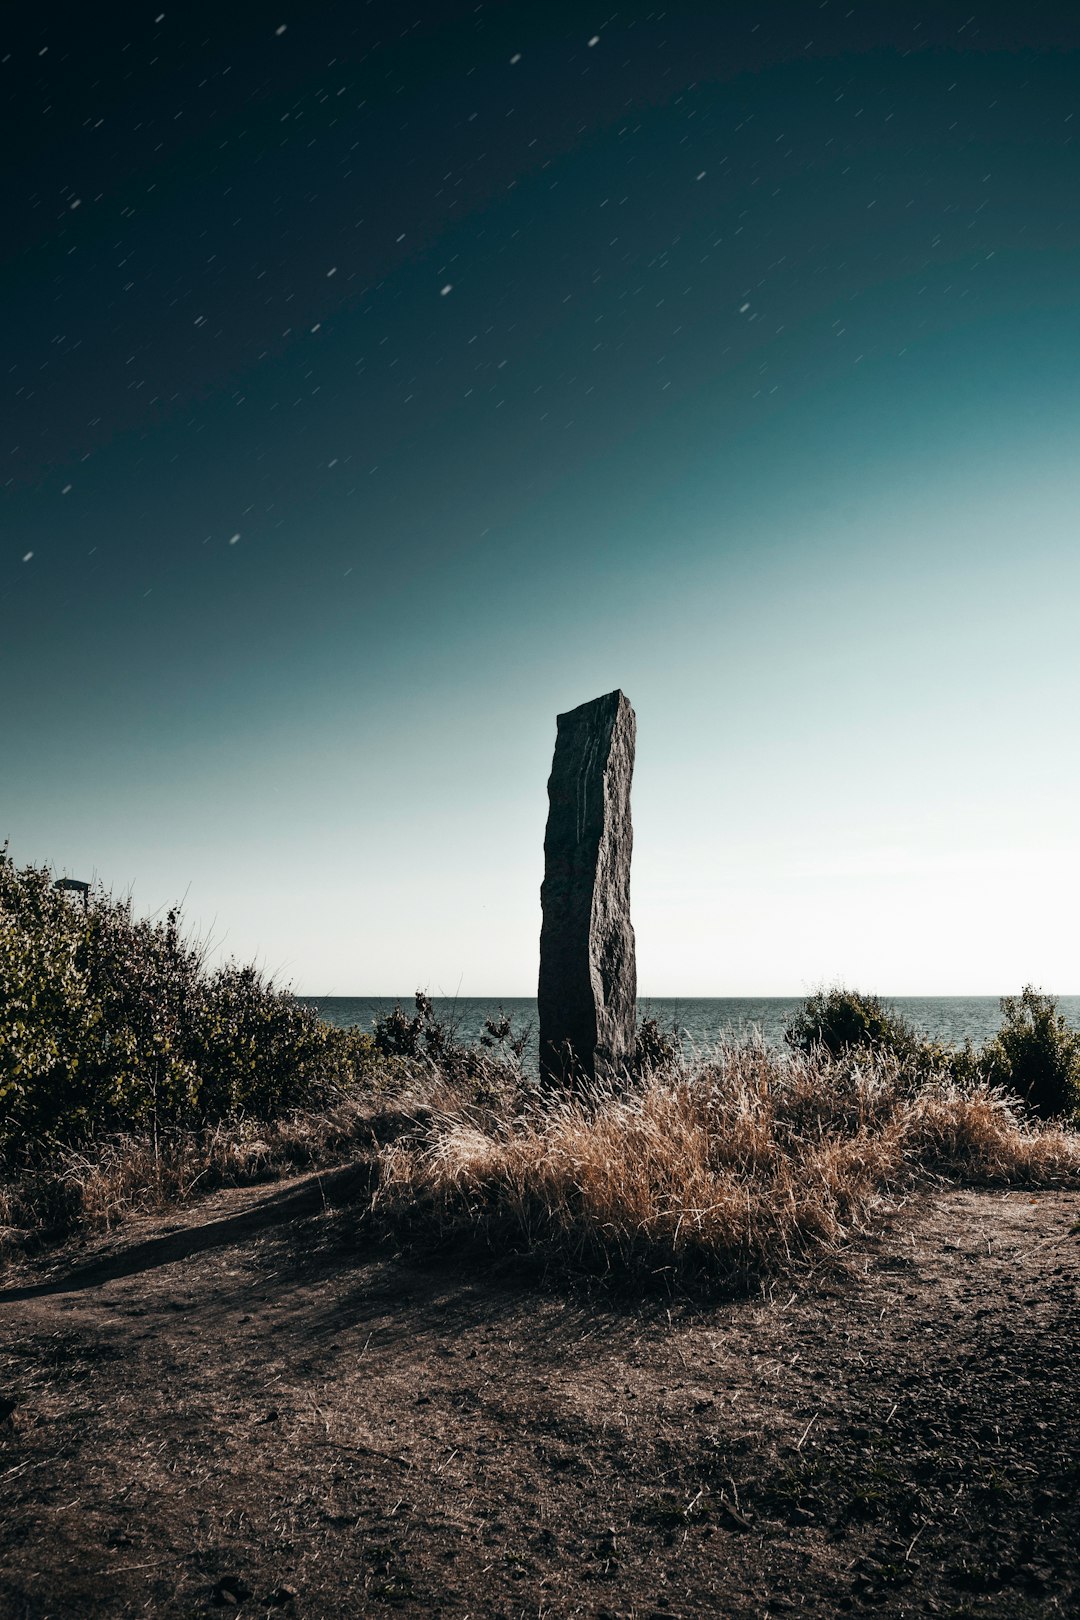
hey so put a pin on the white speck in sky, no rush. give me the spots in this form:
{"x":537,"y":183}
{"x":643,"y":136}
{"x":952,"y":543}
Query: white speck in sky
{"x":315,"y":328}
{"x":234,"y":538}
{"x":444,"y":290}
{"x":280,"y":30}
{"x":332,"y":271}
{"x":515,"y":58}
{"x":27,"y":556}
{"x":76,"y":202}
{"x":701,"y":176}
{"x":594,"y":41}
{"x":160,"y":18}
{"x":743,"y":308}
{"x":66,"y":490}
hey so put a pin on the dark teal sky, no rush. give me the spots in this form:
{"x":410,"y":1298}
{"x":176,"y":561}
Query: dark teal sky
{"x":379,"y":382}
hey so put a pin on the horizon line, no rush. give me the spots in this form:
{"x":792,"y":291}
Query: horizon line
{"x":684,"y":995}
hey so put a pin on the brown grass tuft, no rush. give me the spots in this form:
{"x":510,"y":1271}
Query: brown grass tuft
{"x":62,"y":1189}
{"x":719,"y":1174}
{"x":723,"y":1174}
{"x":981,"y":1134}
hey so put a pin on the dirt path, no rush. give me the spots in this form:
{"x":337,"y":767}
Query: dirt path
{"x":254,"y":1394}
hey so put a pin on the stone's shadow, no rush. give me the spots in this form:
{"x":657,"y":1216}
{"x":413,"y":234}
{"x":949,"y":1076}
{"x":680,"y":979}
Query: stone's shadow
{"x":312,"y":1197}
{"x":316,"y":1277}
{"x":397,"y":1303}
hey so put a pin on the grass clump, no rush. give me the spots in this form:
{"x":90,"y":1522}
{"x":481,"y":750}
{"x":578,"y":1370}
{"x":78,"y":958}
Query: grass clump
{"x":716,"y":1175}
{"x":44,"y":1196}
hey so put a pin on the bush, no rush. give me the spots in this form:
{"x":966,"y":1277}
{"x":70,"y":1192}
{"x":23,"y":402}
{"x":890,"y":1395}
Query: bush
{"x":113,"y":1023}
{"x":421,"y":1036}
{"x":1036,"y":1054}
{"x":425,"y":1044}
{"x":654,"y":1049}
{"x":840,"y":1019}
{"x":849,"y":1022}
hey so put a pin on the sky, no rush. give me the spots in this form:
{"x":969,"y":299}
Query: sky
{"x":381,"y":380}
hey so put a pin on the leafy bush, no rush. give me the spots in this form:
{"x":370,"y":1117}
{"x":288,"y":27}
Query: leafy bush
{"x":501,"y":1037}
{"x":1036,"y":1054}
{"x":839,"y":1019}
{"x":111,"y":1022}
{"x":654,"y":1049}
{"x":424,"y":1042}
{"x":421,"y":1036}
{"x":851,"y":1022}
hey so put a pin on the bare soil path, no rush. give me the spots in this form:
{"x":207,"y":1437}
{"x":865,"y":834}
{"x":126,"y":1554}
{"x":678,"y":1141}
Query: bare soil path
{"x":254,"y":1406}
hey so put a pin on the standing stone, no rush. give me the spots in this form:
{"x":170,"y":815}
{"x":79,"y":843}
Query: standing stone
{"x":588,"y":975}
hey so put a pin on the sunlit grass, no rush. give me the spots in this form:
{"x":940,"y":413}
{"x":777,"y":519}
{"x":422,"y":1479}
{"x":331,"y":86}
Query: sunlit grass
{"x":729,"y":1171}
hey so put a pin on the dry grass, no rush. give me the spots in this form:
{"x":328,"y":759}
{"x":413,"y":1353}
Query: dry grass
{"x":723,"y":1174}
{"x":719,"y":1173}
{"x":64,"y":1188}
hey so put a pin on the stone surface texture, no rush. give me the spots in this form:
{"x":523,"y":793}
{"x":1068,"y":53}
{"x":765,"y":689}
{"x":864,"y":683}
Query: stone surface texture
{"x":588,"y":974}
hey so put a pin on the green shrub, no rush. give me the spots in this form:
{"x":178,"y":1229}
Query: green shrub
{"x":501,"y":1038}
{"x":840,"y":1019}
{"x":421,"y":1036}
{"x":1036,"y":1054}
{"x":847,"y":1021}
{"x":655,"y":1050}
{"x":491,"y":1070}
{"x":108,"y":1022}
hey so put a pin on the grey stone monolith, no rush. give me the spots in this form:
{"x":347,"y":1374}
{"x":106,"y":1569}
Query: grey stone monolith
{"x":588,"y":974}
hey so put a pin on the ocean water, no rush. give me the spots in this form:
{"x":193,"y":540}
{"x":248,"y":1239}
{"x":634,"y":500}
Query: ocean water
{"x":698,"y":1022}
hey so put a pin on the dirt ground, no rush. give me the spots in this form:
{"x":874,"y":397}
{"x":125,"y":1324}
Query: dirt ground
{"x":254,"y":1406}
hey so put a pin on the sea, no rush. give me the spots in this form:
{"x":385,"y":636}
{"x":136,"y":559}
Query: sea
{"x":698,"y":1022}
